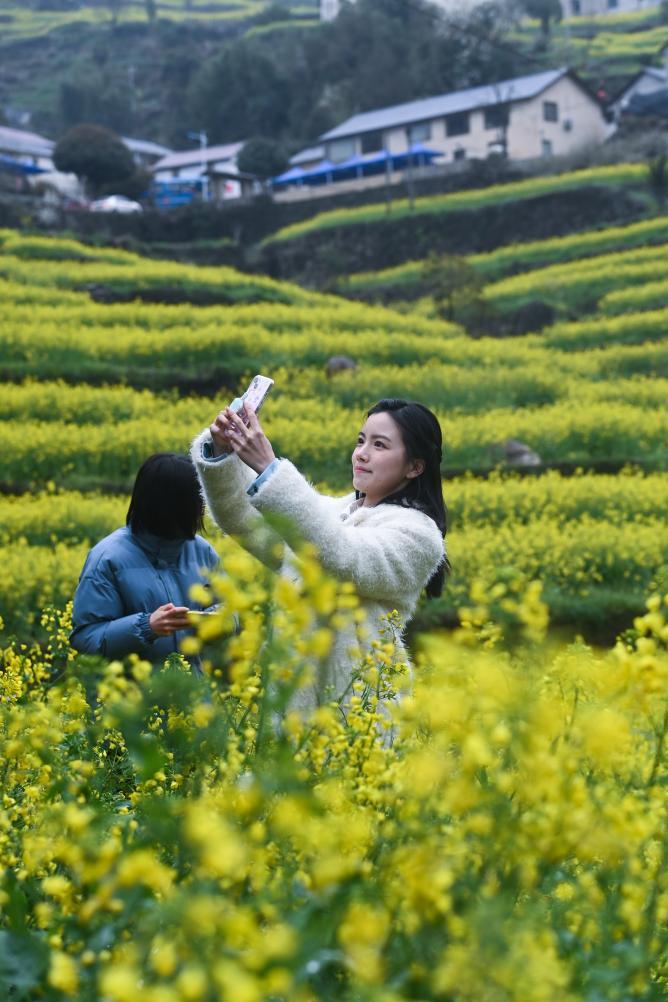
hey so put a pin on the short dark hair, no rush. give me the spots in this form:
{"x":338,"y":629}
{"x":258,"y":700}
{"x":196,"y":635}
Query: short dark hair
{"x":166,"y":498}
{"x":422,"y":439}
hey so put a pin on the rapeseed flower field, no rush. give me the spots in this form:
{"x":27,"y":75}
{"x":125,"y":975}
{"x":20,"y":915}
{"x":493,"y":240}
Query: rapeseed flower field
{"x":180,"y":839}
{"x":488,"y":823}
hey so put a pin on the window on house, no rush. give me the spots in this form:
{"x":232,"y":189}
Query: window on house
{"x":576,"y":7}
{"x":459,"y":154}
{"x":372,"y":142}
{"x":546,"y":148}
{"x":418,"y":133}
{"x":457,"y":124}
{"x":550,"y":111}
{"x":612,"y":4}
{"x":340,"y":149}
{"x":497,"y":117}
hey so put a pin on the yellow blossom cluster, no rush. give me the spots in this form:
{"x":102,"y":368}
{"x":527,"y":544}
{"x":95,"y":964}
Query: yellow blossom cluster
{"x":489,"y":823}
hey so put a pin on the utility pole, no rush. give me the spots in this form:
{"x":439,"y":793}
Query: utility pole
{"x":388,"y":184}
{"x":132,"y":86}
{"x":203,"y":142}
{"x":411,"y":187}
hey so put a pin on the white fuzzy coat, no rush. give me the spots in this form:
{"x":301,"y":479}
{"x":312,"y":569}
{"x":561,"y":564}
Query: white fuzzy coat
{"x":388,"y":552}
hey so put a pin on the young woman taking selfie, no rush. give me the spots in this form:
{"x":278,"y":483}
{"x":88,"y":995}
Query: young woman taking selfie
{"x":386,"y":537}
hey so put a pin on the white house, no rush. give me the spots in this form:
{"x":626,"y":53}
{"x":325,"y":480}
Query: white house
{"x":26,"y":147}
{"x":541,"y":115}
{"x":329,"y":9}
{"x":648,"y":81}
{"x":596,"y":8}
{"x":193,"y":164}
{"x":145,"y":153}
{"x":214,"y":166}
{"x":310,"y":157}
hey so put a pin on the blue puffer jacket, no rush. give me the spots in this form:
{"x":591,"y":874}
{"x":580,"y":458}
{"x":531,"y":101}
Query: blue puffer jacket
{"x":126,"y":577}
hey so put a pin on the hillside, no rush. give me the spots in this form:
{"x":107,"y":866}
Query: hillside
{"x":130,"y":72}
{"x":246,"y":67}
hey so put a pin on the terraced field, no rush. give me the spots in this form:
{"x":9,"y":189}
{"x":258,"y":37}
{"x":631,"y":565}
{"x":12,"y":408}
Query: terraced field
{"x":616,"y":175}
{"x":21,"y":22}
{"x":92,"y":387}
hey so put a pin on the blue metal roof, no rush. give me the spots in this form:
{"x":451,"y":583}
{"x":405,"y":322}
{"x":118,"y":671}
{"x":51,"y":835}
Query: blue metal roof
{"x":355,"y":163}
{"x":18,"y":167}
{"x":517,"y":89}
{"x":294,"y":174}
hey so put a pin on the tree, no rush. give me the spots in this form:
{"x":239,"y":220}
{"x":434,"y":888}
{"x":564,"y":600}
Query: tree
{"x":151,"y":10}
{"x":242,"y":91}
{"x":545,"y":11}
{"x":263,"y":157}
{"x":657,"y":170}
{"x":456,"y":289}
{"x":95,"y":154}
{"x":101,"y":98}
{"x":114,"y":9}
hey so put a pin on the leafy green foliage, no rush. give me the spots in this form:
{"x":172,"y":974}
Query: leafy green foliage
{"x":262,"y":157}
{"x":94,"y":154}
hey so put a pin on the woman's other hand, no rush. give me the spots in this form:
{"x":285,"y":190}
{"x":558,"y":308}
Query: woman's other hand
{"x":167,"y":619}
{"x":218,"y":429}
{"x":242,"y":432}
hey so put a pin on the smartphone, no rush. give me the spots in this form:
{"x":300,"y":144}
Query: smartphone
{"x":255,"y":394}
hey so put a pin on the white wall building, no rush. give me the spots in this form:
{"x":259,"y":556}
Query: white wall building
{"x":596,"y":8}
{"x":145,"y":153}
{"x":215,"y":166}
{"x":545,"y":114}
{"x":650,"y":80}
{"x":26,"y":147}
{"x":192,"y":164}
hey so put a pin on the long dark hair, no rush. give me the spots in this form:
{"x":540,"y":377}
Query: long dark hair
{"x":166,"y":498}
{"x":422,"y":439}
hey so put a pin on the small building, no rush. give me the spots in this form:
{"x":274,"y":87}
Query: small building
{"x":310,"y":157}
{"x":329,"y":9}
{"x":144,"y":152}
{"x":225,"y":183}
{"x":541,"y":115}
{"x":26,"y":147}
{"x":650,"y":80}
{"x":597,"y":8}
{"x":195,"y":163}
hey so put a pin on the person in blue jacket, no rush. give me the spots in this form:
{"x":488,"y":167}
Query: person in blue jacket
{"x":133,"y":593}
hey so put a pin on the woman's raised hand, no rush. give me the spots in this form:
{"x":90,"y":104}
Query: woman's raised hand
{"x":242,"y":432}
{"x":218,"y":430}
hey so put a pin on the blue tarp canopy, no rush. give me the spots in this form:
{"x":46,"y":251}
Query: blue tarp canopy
{"x":363,"y":165}
{"x":418,"y":152}
{"x":18,"y":167}
{"x":290,"y":176}
{"x":323,"y":168}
